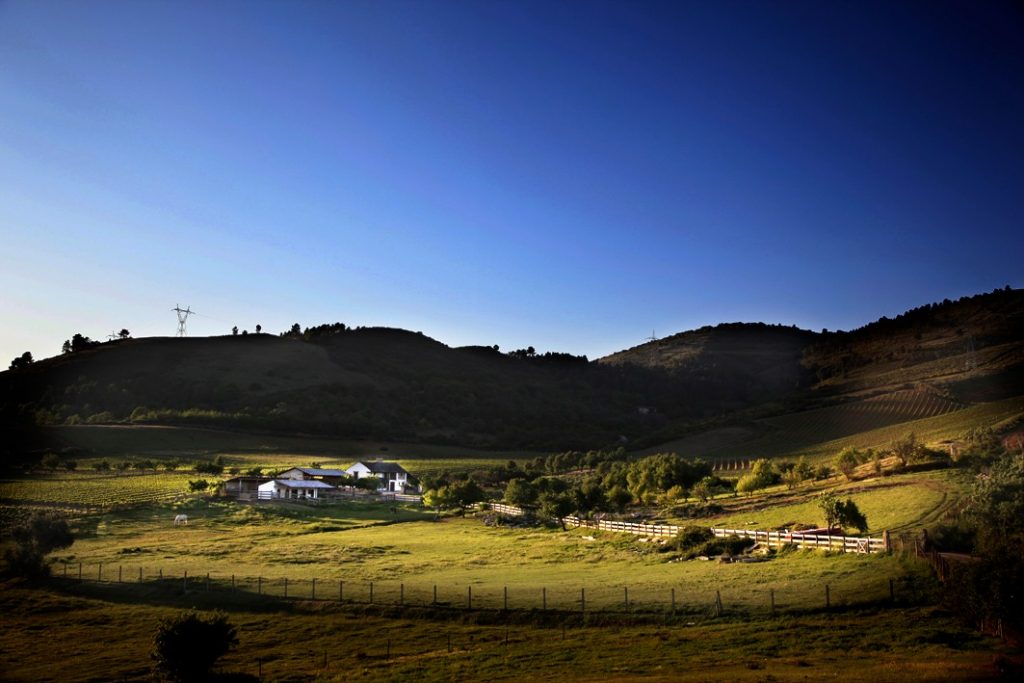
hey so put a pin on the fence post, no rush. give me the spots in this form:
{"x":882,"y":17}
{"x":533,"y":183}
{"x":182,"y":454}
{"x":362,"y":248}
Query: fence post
{"x":435,"y":602}
{"x":886,"y":541}
{"x":506,"y":599}
{"x":184,"y":581}
{"x":161,"y":570}
{"x":119,"y":573}
{"x":469,"y":597}
{"x":583,"y":600}
{"x":771,"y":592}
{"x":259,"y":585}
{"x":99,"y":573}
{"x":341,"y":590}
{"x":232,"y":582}
{"x":371,"y":592}
{"x":673,"y":600}
{"x":79,"y":571}
{"x":140,"y":574}
{"x":718,"y":602}
{"x":286,"y":586}
{"x":312,"y":593}
{"x":544,"y":598}
{"x":828,"y":602}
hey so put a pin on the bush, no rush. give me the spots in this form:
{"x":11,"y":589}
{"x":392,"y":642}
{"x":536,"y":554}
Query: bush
{"x":186,"y":647}
{"x":38,"y":535}
{"x":731,"y":545}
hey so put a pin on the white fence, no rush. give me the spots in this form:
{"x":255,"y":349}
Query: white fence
{"x":772,"y":539}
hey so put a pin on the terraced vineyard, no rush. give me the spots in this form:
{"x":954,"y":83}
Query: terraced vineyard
{"x":869,"y":423}
{"x":84,"y":491}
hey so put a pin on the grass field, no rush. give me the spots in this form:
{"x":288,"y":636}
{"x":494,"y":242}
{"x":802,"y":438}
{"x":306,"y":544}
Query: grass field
{"x":896,"y":503}
{"x":361,"y":543}
{"x":325,"y":642}
{"x":254,"y":449}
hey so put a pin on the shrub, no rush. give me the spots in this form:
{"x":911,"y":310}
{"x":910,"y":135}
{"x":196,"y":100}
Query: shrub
{"x":39,"y":534}
{"x":186,"y":647}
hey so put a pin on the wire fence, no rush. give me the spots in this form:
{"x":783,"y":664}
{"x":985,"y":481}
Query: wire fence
{"x":583,"y":598}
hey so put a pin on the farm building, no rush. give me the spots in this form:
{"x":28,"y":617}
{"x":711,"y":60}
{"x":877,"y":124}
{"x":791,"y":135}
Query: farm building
{"x":244,"y":486}
{"x":329,"y":476}
{"x":393,"y":477}
{"x":294,"y":489}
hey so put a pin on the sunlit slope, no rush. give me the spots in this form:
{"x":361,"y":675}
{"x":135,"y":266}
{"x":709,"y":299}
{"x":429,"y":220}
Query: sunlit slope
{"x":874,"y":422}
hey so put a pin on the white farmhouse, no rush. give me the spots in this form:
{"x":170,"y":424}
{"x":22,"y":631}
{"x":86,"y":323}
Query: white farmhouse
{"x":294,"y":489}
{"x":393,"y":477}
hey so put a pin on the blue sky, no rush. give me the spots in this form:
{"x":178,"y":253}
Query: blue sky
{"x":567,"y":175}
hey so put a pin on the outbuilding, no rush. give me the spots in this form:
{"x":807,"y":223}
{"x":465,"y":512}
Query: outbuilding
{"x":294,"y":489}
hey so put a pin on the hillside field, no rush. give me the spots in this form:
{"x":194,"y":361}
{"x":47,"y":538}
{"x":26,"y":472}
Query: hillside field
{"x":823,"y":432}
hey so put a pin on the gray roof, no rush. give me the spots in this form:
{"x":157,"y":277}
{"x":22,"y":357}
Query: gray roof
{"x":375,"y":466}
{"x":303,"y":484}
{"x":317,"y":472}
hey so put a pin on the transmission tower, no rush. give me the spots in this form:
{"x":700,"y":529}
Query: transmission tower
{"x":183,"y":314}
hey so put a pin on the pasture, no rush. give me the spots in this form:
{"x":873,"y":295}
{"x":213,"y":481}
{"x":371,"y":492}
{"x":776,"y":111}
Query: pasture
{"x":326,"y":642}
{"x":405,"y":553}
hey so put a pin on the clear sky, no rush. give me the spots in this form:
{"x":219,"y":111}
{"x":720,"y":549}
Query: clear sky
{"x":567,"y":175}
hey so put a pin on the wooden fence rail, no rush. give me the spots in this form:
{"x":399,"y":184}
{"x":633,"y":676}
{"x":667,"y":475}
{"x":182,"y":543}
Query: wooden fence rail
{"x":772,"y":539}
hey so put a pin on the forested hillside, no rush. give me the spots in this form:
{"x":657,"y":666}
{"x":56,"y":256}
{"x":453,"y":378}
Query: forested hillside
{"x":392,"y":384}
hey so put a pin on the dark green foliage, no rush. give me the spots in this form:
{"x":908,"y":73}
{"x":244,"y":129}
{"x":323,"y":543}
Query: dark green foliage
{"x":907,"y":450}
{"x":198,"y":485}
{"x":847,"y":461}
{"x":989,"y":589}
{"x":208,"y":468}
{"x":40,"y":534}
{"x":555,"y":506}
{"x":22,"y":361}
{"x":50,"y":461}
{"x":521,"y":493}
{"x":186,"y":647}
{"x":841,"y":514}
{"x":695,"y":541}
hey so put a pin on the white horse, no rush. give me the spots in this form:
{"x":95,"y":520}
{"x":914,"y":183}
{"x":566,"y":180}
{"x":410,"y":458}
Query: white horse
{"x":181,"y":519}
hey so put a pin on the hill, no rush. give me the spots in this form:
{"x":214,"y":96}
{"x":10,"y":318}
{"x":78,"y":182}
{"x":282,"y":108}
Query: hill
{"x":731,"y":384}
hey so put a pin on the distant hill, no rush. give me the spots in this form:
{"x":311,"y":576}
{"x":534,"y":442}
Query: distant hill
{"x":397,"y":385}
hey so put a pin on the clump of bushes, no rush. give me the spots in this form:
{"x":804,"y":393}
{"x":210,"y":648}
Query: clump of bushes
{"x":696,"y":541}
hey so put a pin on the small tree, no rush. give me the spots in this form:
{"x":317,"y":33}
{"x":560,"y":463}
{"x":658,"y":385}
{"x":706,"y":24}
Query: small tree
{"x":38,"y":535}
{"x":555,"y":505}
{"x":186,"y":647}
{"x":520,"y":492}
{"x":847,"y":461}
{"x":22,"y":361}
{"x":619,"y":497}
{"x":907,"y":450}
{"x":234,"y":331}
{"x":50,"y":461}
{"x":124,"y":333}
{"x":841,"y":514}
{"x":259,"y":328}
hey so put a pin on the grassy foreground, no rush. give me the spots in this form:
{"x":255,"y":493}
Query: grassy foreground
{"x":326,"y":642}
